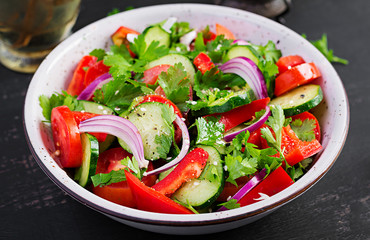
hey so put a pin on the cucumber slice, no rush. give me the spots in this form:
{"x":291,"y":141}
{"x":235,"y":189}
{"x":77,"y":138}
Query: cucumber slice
{"x":97,"y":108}
{"x":243,"y":51}
{"x":299,"y":100}
{"x":231,"y":101}
{"x":90,"y":157}
{"x":147,"y":117}
{"x":171,"y":59}
{"x":201,"y":193}
{"x":157,"y":33}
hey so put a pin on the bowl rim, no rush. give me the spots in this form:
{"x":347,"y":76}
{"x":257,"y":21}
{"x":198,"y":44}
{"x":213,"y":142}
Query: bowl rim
{"x":135,"y":215}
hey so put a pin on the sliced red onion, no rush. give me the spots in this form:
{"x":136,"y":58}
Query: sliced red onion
{"x":88,"y":92}
{"x":184,"y":149}
{"x":249,"y":71}
{"x":251,"y":128}
{"x":188,"y":38}
{"x":168,"y":24}
{"x":240,"y":42}
{"x":121,"y":128}
{"x":247,"y":187}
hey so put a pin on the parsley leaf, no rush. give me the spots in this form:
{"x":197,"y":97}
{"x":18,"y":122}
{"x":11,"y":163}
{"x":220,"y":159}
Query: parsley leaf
{"x":148,"y":52}
{"x":304,"y":130}
{"x":322,"y":46}
{"x":231,"y":204}
{"x":209,"y":132}
{"x":276,"y":122}
{"x":58,"y":99}
{"x":114,"y":176}
{"x":113,"y":11}
{"x":118,"y":94}
{"x":217,"y":48}
{"x":270,"y":55}
{"x":175,"y":85}
{"x":99,"y":53}
{"x":178,"y":30}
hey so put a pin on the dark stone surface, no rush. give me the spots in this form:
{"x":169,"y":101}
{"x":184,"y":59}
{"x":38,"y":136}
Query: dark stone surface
{"x":337,"y":207}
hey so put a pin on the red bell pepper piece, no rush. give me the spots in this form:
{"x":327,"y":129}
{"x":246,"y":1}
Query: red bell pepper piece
{"x":287,"y":62}
{"x":295,"y":149}
{"x":151,"y":74}
{"x":222,"y":30}
{"x":203,"y":62}
{"x":76,"y":85}
{"x":241,"y":114}
{"x":119,"y":192}
{"x":274,"y":183}
{"x":82,"y":116}
{"x":190,"y":167}
{"x":148,"y":199}
{"x":307,"y":115}
{"x":208,"y":36}
{"x":119,"y":37}
{"x":296,"y":76}
{"x":95,"y":71}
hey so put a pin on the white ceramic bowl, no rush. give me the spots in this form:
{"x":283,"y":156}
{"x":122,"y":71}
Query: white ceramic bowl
{"x":55,"y":72}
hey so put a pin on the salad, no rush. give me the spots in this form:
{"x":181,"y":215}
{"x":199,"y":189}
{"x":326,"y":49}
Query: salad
{"x":182,"y":120}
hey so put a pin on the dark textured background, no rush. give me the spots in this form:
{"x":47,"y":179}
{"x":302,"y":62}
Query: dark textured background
{"x":337,"y":207}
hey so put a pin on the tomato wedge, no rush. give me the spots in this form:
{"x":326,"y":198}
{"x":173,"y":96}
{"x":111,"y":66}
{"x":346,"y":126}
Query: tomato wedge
{"x":274,"y":183}
{"x":120,"y":192}
{"x":222,"y":30}
{"x":296,"y":76}
{"x":190,"y":167}
{"x":76,"y":85}
{"x":234,"y":117}
{"x":287,"y":62}
{"x":151,"y":74}
{"x":307,"y":115}
{"x":203,"y":62}
{"x":148,"y":199}
{"x":66,"y":137}
{"x":95,"y":71}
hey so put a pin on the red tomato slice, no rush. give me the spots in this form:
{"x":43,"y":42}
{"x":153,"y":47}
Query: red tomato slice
{"x":222,"y":30}
{"x":151,"y":74}
{"x":234,"y":117}
{"x":274,"y":183}
{"x":66,"y":137}
{"x":119,"y":193}
{"x":203,"y":62}
{"x":82,"y":116}
{"x":94,"y":72}
{"x":76,"y":85}
{"x":307,"y":115}
{"x":296,"y":76}
{"x":190,"y":167}
{"x":148,"y":199}
{"x":287,"y":62}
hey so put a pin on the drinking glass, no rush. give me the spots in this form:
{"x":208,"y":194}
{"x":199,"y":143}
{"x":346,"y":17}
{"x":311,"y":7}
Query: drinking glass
{"x":30,"y":29}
